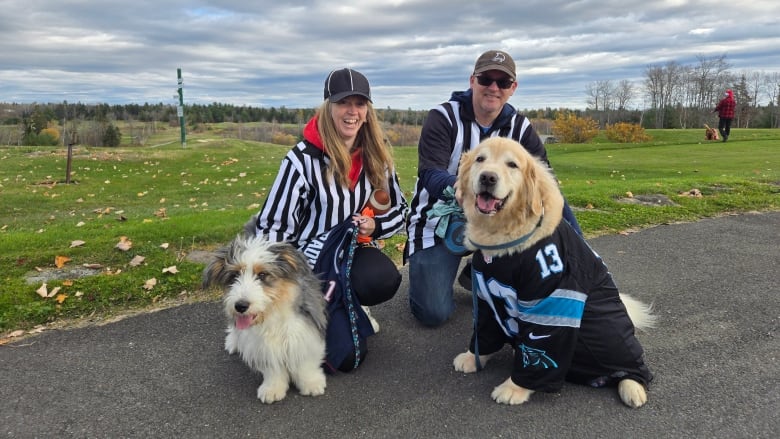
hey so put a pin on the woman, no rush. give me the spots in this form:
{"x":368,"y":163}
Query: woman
{"x":327,"y":179}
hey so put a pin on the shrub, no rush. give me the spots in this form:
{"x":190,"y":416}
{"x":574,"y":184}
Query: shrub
{"x":568,"y":128}
{"x":112,"y":136}
{"x":42,"y":139}
{"x":623,"y":132}
{"x":52,"y":132}
{"x":280,"y":138}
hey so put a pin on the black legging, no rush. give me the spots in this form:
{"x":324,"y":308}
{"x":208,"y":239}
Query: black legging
{"x":375,"y":278}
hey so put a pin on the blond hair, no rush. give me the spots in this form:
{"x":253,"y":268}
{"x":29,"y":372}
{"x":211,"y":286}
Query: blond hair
{"x":377,"y":158}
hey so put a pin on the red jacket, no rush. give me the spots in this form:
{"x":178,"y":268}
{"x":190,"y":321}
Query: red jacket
{"x":725,"y":107}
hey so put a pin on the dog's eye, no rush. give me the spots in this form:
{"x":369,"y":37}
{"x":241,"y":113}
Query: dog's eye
{"x":479,"y":159}
{"x":262,"y":276}
{"x":512,"y":165}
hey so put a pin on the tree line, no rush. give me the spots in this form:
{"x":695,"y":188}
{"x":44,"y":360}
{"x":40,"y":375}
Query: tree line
{"x":671,"y":95}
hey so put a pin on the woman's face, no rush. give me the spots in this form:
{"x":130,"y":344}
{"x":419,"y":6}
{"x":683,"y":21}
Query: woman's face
{"x":349,"y":114}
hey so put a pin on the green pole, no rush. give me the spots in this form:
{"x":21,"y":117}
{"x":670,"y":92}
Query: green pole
{"x":180,"y":110}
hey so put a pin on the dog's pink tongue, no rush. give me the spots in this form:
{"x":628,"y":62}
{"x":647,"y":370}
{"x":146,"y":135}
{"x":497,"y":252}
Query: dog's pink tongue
{"x":487,"y":203}
{"x":243,"y":321}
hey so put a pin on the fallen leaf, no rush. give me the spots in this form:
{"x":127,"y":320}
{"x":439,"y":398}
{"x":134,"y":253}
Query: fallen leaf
{"x":78,"y":294}
{"x":161,"y":212}
{"x":150,"y":283}
{"x":54,"y":291}
{"x":17,"y":333}
{"x":164,"y":245}
{"x":80,"y":223}
{"x":42,"y":291}
{"x":60,"y":261}
{"x":77,"y":243}
{"x":93,"y":266}
{"x":61,"y":298}
{"x":67,"y":282}
{"x":137,"y":260}
{"x":124,"y":244}
{"x":172,"y":269}
{"x":630,"y":194}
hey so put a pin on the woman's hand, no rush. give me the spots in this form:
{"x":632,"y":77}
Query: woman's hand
{"x":365,"y":224}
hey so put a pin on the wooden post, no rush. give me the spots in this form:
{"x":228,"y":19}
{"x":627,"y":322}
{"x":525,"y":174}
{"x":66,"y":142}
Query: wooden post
{"x":70,"y":157}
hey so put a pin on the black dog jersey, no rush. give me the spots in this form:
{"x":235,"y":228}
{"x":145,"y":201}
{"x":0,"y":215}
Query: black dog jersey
{"x":558,"y":307}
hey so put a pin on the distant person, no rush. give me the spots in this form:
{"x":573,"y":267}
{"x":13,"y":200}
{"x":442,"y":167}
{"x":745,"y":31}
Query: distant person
{"x":725,"y":110}
{"x":451,"y":129}
{"x":326,"y":180}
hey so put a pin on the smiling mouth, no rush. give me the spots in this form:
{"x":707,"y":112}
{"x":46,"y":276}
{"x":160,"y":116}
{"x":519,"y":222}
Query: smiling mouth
{"x":488,"y":204}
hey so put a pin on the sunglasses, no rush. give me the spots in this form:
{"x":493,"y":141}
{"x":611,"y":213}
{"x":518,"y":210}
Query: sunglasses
{"x":503,"y":83}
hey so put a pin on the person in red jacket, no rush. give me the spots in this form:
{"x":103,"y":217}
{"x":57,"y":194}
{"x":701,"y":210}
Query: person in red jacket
{"x":725,"y":109}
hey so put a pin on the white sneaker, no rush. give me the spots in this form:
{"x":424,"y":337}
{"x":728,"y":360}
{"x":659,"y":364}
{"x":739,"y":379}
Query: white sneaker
{"x":374,"y":323}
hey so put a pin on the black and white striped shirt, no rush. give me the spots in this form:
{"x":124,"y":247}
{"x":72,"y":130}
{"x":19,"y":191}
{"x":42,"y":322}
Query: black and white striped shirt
{"x":303,"y":205}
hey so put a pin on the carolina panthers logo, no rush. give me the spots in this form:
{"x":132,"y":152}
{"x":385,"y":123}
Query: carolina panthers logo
{"x":536,"y":358}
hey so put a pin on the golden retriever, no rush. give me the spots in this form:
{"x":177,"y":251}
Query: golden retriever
{"x":539,"y":286}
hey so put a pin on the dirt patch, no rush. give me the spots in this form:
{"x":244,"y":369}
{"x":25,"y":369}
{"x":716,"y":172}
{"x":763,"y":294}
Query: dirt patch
{"x":648,"y":200}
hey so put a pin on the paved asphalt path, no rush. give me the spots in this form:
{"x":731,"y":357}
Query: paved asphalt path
{"x":714,"y":284}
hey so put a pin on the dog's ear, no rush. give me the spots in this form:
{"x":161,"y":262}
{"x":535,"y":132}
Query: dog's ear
{"x":250,"y":228}
{"x":532,"y":189}
{"x":221,"y":271}
{"x":466,"y":161}
{"x":289,"y":259}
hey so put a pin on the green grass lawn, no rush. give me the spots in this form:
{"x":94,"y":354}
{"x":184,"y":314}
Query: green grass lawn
{"x":169,"y":201}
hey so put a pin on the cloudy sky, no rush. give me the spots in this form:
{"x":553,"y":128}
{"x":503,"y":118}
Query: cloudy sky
{"x":414,"y":52}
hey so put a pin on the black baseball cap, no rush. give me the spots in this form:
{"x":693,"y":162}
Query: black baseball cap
{"x":346,"y":82}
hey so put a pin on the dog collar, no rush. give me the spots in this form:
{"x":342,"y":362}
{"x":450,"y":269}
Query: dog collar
{"x":512,"y":243}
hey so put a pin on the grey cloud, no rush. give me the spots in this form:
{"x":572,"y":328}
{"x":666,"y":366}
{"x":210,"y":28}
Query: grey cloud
{"x":415,"y":52}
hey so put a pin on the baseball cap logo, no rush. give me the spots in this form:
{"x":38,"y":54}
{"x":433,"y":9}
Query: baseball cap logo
{"x":499,"y":58}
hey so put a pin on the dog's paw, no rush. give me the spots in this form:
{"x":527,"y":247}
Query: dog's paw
{"x":510,"y":393}
{"x":312,"y":384}
{"x":632,"y":393}
{"x":467,"y":362}
{"x":269,"y":392}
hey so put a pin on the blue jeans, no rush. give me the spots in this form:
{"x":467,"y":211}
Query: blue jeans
{"x":432,"y":273}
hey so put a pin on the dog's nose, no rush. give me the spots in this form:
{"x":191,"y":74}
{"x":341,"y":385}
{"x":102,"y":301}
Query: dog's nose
{"x":241,"y":306}
{"x":488,"y":179}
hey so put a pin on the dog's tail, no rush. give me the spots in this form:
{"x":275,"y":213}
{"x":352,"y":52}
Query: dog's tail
{"x":640,"y":313}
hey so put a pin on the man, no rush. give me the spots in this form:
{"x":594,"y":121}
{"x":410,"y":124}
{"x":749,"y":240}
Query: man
{"x":725,"y":110}
{"x":451,"y":129}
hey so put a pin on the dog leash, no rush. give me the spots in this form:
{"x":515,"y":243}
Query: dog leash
{"x":348,"y":295}
{"x":475,"y":312}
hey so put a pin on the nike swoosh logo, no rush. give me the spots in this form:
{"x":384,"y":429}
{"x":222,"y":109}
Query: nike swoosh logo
{"x":537,"y":337}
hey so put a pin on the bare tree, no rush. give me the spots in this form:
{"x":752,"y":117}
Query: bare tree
{"x":772,"y":91}
{"x":624,"y":94}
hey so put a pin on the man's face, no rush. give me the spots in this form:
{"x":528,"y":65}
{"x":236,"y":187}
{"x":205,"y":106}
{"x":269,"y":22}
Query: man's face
{"x":490,"y":98}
